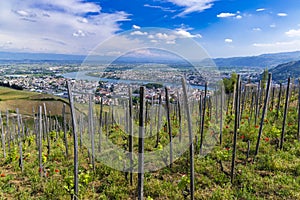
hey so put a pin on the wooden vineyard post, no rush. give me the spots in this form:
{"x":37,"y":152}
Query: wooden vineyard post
{"x":257,"y":102}
{"x":251,"y":106}
{"x":244,"y":101}
{"x":233,"y":98}
{"x":8,"y":132}
{"x":263,"y":114}
{"x":179,"y":117}
{"x":100,"y":125}
{"x":2,"y":136}
{"x":203,"y":118}
{"x":91,"y":129}
{"x":191,"y":144}
{"x":285,"y":113}
{"x":65,"y":129}
{"x":20,"y":140}
{"x":279,"y":99}
{"x":46,"y":129}
{"x":272,"y":101}
{"x":106,"y":124}
{"x":80,"y":129}
{"x":169,"y":126}
{"x":146,"y":115}
{"x":40,"y":141}
{"x":236,"y":118}
{"x":141,"y":146}
{"x":72,"y":108}
{"x":221,"y":116}
{"x":158,"y":121}
{"x":130,"y":143}
{"x":201,"y":100}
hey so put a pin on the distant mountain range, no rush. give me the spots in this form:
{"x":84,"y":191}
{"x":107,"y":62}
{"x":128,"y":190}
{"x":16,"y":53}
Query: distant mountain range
{"x":262,"y":61}
{"x":281,"y":72}
{"x":16,"y":57}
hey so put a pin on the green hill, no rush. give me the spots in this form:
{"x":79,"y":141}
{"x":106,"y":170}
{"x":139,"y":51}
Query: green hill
{"x":283,"y":71}
{"x":11,"y":99}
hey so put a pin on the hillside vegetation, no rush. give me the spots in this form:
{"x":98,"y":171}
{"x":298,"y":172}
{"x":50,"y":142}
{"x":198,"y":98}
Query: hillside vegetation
{"x":26,"y":101}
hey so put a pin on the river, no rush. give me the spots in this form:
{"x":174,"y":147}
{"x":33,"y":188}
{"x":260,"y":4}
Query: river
{"x":82,"y":75}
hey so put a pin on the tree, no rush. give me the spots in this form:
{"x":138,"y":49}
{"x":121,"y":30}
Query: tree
{"x":229,"y":83}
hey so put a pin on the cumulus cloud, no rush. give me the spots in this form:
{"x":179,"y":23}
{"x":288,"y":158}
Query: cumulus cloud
{"x":191,"y":6}
{"x":228,"y":40}
{"x":27,"y":23}
{"x":293,"y":33}
{"x":282,"y":14}
{"x":136,"y":26}
{"x":185,"y":34}
{"x":224,"y":15}
{"x":138,"y":33}
{"x":260,"y":9}
{"x":79,"y":33}
{"x":169,"y":37}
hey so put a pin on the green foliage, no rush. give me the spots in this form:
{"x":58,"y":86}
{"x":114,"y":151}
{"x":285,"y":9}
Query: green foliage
{"x":153,"y":85}
{"x":229,"y":83}
{"x":273,"y":174}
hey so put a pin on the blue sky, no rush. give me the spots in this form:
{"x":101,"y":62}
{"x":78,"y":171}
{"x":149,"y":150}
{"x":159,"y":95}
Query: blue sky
{"x":223,"y":28}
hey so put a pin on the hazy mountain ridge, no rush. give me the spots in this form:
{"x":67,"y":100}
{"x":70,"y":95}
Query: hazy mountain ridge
{"x":281,"y":72}
{"x":262,"y":61}
{"x":16,"y":57}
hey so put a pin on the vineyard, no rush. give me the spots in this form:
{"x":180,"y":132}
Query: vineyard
{"x":220,"y":144}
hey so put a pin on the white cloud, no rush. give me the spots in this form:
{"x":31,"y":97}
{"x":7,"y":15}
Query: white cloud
{"x":162,"y":36}
{"x":159,"y":7}
{"x":282,"y":14}
{"x":256,"y":29}
{"x":260,"y":9}
{"x":138,"y":33}
{"x":136,"y":26}
{"x":79,"y":33}
{"x":24,"y":13}
{"x":166,"y":37}
{"x":228,"y":40}
{"x":170,"y":42}
{"x":191,"y":6}
{"x":224,"y":15}
{"x":239,"y":17}
{"x":273,"y":26}
{"x":83,"y":20}
{"x":293,"y":33}
{"x":55,"y":25}
{"x":185,"y":34}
